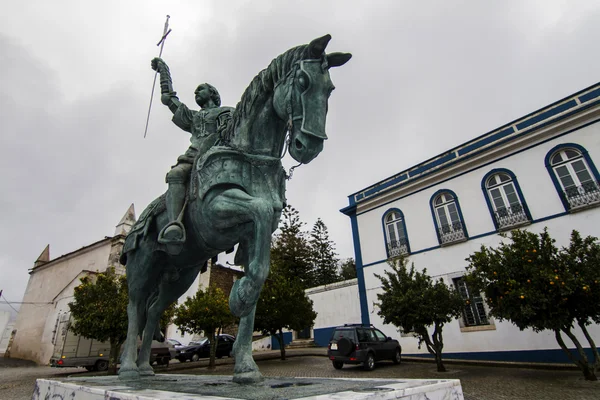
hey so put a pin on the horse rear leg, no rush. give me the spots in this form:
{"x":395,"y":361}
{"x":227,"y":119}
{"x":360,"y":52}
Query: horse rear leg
{"x":169,"y":290}
{"x":140,"y":279}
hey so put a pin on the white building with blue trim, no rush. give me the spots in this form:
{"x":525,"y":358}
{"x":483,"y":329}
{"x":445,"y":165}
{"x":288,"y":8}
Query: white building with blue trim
{"x":535,"y":172}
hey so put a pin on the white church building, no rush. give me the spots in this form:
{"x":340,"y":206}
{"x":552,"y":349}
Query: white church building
{"x":537,"y":171}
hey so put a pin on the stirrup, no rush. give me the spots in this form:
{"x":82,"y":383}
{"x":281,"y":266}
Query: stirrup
{"x":174,"y":246}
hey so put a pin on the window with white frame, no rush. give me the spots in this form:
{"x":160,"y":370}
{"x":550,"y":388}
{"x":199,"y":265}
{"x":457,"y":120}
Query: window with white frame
{"x":396,"y":241}
{"x":474,"y":313}
{"x":450,"y":227}
{"x":579,"y":187}
{"x":506,"y":204}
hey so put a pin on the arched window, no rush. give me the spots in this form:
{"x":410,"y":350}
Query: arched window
{"x":574,"y":175}
{"x":448,"y":218}
{"x":395,"y":233}
{"x":505,"y":199}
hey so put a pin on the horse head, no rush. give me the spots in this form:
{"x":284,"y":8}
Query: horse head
{"x":301,"y":98}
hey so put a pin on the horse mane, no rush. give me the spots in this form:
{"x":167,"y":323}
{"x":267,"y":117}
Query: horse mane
{"x":263,"y":83}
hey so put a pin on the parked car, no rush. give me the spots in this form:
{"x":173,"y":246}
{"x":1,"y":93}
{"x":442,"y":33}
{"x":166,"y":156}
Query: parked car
{"x":175,"y":342}
{"x":201,"y":349}
{"x":361,"y":344}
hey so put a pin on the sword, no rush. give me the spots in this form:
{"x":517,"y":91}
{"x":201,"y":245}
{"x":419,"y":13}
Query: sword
{"x":161,"y":43}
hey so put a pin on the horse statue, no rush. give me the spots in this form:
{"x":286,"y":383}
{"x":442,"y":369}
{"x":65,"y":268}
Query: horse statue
{"x":236,"y":195}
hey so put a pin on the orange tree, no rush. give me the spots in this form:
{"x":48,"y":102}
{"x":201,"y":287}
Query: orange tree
{"x":533,"y":284}
{"x":99,"y":311}
{"x":208,"y":312}
{"x":283,"y":304}
{"x":412,"y":301}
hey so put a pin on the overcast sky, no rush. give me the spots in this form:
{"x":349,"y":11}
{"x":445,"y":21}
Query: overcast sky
{"x":75,"y":83}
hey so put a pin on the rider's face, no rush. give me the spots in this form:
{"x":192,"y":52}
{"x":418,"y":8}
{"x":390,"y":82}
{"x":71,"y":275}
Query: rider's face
{"x":202,"y":95}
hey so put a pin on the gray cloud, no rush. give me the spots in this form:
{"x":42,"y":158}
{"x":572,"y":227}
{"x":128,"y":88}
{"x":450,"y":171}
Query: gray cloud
{"x":425,"y":77}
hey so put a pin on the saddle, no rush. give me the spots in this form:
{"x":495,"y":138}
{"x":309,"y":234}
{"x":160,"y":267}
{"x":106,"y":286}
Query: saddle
{"x":260,"y":176}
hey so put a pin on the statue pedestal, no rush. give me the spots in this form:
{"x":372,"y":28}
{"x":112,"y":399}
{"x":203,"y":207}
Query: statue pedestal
{"x":218,"y":387}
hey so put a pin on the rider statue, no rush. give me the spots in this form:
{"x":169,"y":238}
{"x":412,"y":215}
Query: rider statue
{"x":205,"y":126}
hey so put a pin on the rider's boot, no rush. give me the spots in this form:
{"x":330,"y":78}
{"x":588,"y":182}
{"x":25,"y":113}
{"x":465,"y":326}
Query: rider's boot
{"x":173,"y":234}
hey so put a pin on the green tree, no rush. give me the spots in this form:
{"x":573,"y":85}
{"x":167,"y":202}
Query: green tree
{"x":290,"y":251}
{"x":347,"y":269}
{"x":99,"y":311}
{"x":167,"y":317}
{"x":528,"y":281}
{"x":322,"y":255}
{"x":283,"y":304}
{"x":412,"y":301}
{"x":207,"y":312}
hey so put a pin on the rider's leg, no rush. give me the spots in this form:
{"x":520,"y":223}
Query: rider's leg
{"x":176,"y":178}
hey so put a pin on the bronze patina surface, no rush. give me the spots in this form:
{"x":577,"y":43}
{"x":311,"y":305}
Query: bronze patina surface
{"x":227,"y":189}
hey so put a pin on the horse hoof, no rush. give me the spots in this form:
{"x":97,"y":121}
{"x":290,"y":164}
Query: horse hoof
{"x":146,"y":371}
{"x":245,"y":378}
{"x":129,"y":374}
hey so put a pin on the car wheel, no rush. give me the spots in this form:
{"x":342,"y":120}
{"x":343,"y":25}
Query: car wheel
{"x":195,"y":357}
{"x":345,"y":346}
{"x":397,"y":357}
{"x":338,"y":364}
{"x":369,"y":364}
{"x":101,"y":365}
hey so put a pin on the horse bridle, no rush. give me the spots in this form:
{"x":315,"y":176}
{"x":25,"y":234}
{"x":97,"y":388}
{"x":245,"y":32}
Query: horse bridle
{"x":289,"y":126}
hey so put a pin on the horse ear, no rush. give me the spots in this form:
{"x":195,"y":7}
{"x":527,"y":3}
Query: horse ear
{"x":316,"y":48}
{"x":338,"y":59}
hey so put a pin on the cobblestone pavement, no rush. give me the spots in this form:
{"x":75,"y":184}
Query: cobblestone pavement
{"x":17,"y":377}
{"x":478,"y":382}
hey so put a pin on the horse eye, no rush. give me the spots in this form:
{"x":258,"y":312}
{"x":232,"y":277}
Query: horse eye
{"x":302,"y":81}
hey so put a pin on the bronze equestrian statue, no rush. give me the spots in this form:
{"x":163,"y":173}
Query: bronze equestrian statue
{"x":234,"y":195}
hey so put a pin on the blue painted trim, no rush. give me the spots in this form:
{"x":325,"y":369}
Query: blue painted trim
{"x":385,"y":232}
{"x":362,"y":287}
{"x":433,"y":164}
{"x":546,"y":114}
{"x":460,"y":215}
{"x":483,"y":142}
{"x":488,"y":200}
{"x":481,"y":166}
{"x":589,"y":96}
{"x":529,"y":356}
{"x":322,"y":336}
{"x":499,"y":135}
{"x":553,"y":176}
{"x":287,"y":339}
{"x":349,"y":210}
{"x":471,"y":238}
{"x":384,"y":185}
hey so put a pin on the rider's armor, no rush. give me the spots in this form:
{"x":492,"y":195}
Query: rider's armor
{"x":205,"y":127}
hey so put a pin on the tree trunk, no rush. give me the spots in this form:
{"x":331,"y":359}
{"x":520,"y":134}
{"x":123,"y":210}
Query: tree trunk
{"x":213,"y":349}
{"x":596,"y":363}
{"x":438,"y":344}
{"x":582,"y":363}
{"x":434,"y":347}
{"x":281,"y":343}
{"x":113,"y":357}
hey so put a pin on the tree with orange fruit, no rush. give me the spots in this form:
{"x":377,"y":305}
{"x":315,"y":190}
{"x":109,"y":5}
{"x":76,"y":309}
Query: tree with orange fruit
{"x":530,"y":282}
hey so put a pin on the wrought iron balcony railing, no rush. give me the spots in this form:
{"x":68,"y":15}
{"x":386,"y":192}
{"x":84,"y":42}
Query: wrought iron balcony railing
{"x":510,"y":216}
{"x":397,"y":247}
{"x":583,"y":195}
{"x":452,"y":233}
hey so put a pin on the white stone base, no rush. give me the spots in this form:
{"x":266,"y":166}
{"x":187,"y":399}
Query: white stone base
{"x":190,"y":387}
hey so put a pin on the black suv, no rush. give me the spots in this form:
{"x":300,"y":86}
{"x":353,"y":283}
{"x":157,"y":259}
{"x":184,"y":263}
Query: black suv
{"x":361,"y":344}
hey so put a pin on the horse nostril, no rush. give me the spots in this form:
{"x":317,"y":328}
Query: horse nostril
{"x":298,"y":144}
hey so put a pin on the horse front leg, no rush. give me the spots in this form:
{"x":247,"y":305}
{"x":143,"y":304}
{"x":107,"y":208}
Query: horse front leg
{"x":234,"y":206}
